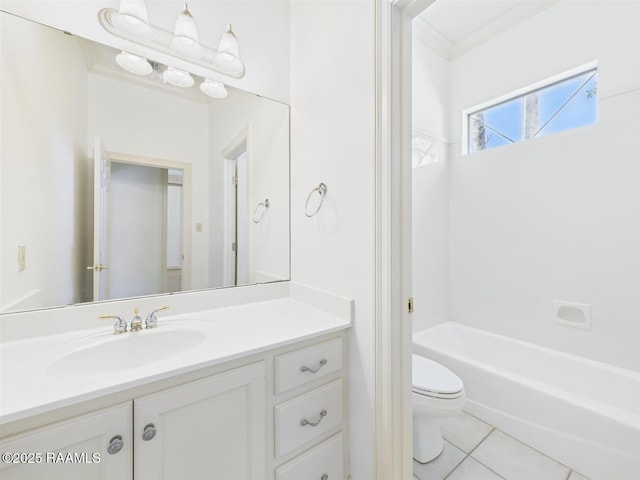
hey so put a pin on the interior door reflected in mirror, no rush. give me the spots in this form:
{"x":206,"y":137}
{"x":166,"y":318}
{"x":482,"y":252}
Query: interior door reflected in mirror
{"x":119,"y":185}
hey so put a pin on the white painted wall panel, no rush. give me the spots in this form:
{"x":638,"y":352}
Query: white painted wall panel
{"x":555,"y":217}
{"x":332,"y":127}
{"x":43,"y":150}
{"x":430,"y":111}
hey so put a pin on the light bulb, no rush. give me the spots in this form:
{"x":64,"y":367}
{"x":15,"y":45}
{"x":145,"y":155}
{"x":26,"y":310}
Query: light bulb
{"x":133,"y":63}
{"x":213,"y":89}
{"x":177,"y":77}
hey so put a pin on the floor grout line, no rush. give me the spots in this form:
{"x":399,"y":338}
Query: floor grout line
{"x":457,"y":465}
{"x":492,"y":430}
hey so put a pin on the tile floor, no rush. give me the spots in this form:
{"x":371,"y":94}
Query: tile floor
{"x":474,"y":450}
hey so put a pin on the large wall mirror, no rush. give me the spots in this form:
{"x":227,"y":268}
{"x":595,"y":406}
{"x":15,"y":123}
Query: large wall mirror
{"x":116,"y":185}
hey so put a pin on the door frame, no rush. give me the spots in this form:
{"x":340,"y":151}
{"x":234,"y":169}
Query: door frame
{"x":392,"y":189}
{"x":229,"y":157}
{"x":186,"y":201}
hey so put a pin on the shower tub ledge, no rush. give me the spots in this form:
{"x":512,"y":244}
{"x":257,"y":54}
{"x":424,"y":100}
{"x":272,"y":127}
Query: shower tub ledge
{"x":583,"y":413}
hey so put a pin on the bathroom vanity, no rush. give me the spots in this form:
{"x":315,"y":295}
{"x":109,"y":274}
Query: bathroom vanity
{"x":245,"y":392}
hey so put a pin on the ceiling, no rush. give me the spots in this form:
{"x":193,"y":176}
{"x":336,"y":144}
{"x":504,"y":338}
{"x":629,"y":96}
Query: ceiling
{"x":457,"y":19}
{"x":460,"y":25}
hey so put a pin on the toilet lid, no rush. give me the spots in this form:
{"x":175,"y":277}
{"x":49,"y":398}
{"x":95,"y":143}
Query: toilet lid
{"x":429,"y":376}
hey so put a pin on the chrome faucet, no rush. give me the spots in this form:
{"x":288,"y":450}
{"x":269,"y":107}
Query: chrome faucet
{"x":151,"y":320}
{"x":119,"y":327}
{"x":136,"y":321}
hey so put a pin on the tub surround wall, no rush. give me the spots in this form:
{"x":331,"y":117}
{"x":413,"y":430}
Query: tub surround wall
{"x":553,"y":218}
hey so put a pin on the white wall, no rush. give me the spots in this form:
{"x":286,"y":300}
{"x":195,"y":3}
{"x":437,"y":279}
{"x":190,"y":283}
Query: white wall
{"x":135,"y":120}
{"x":430,"y":114}
{"x":267,"y":123}
{"x":43,"y":150}
{"x":262,"y":28}
{"x":555,"y":217}
{"x":332,"y":140}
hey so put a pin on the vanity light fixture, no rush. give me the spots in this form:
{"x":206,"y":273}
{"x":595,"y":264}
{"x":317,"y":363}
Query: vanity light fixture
{"x":213,"y":89}
{"x":133,"y":63}
{"x":177,"y":77}
{"x":130,"y":22}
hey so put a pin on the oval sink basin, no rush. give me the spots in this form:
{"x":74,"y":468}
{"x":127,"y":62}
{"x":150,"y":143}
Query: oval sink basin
{"x":125,"y":352}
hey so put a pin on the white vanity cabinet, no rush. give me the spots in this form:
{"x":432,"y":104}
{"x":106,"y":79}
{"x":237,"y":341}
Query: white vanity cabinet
{"x":208,"y":429}
{"x":94,"y":446}
{"x":309,"y":413}
{"x":278,"y":414}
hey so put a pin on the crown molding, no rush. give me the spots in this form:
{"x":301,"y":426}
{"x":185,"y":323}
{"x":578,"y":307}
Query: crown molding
{"x":433,"y":39}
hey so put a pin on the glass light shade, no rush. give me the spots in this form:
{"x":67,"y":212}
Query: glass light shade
{"x":185,"y":36}
{"x":132,"y":17}
{"x":176,"y":77}
{"x":213,"y":89}
{"x":133,"y":63}
{"x":228,"y":56}
{"x":229,"y":44}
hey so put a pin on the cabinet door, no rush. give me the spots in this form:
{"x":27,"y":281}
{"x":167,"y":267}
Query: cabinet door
{"x":76,"y":449}
{"x":212,"y":429}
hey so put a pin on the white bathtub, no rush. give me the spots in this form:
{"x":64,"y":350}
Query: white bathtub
{"x":582,"y":413}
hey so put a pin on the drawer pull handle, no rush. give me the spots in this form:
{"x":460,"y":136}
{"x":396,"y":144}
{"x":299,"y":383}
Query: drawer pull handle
{"x":115,"y":445}
{"x":323,"y":362}
{"x":324,"y":477}
{"x":304,"y":422}
{"x":149,"y":432}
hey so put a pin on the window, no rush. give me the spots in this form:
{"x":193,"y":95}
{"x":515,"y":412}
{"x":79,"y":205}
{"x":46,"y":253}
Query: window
{"x":558,"y":104}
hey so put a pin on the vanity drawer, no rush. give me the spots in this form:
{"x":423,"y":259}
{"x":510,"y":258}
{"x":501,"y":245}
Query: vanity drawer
{"x":307,"y":364}
{"x":324,"y":462}
{"x":308,"y":416}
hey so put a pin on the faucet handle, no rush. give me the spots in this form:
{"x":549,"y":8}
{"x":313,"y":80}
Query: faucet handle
{"x":152,"y":320}
{"x":119,"y":327}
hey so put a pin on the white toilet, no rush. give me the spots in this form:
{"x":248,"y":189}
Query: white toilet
{"x":437,"y":392}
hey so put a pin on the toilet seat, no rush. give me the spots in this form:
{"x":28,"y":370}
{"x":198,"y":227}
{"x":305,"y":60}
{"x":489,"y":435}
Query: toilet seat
{"x":431,"y":379}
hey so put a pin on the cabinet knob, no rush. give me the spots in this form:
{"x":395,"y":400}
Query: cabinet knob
{"x":115,"y":445}
{"x":148,"y":432}
{"x":324,"y":477}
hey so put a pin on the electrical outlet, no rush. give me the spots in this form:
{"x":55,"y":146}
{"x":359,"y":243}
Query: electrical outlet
{"x":22,"y":257}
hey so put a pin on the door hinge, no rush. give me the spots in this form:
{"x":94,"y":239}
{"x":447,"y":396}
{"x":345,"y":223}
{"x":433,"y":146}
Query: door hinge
{"x":234,"y":246}
{"x":235,"y":180}
{"x":410,"y":305}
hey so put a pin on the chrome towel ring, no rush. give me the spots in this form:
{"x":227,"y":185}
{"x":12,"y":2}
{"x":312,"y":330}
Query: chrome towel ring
{"x":265,"y":207}
{"x":322,"y":191}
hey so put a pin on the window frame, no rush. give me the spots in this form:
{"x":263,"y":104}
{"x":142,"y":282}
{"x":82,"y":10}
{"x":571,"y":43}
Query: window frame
{"x":521,"y":92}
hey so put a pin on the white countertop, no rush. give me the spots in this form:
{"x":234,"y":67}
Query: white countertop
{"x":30,"y":387}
